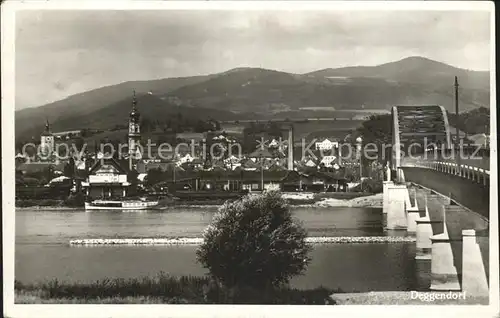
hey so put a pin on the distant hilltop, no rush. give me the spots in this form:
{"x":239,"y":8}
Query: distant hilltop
{"x":248,"y":93}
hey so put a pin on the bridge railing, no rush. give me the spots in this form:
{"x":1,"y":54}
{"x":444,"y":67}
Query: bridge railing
{"x":472,"y":173}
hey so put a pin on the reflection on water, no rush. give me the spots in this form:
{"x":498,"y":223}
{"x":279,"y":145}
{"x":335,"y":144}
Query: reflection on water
{"x":42,"y":250}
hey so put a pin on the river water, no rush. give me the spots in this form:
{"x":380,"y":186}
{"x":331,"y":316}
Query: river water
{"x":43,"y":252}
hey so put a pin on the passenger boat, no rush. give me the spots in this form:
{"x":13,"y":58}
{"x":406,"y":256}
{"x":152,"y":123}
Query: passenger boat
{"x":142,"y":204}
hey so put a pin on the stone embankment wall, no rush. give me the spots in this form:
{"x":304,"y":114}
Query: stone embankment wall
{"x":198,"y":241}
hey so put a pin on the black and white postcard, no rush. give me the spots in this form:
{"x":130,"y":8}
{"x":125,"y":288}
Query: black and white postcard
{"x":234,"y":158}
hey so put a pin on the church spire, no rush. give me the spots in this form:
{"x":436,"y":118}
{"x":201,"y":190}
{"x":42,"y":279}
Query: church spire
{"x":134,"y":101}
{"x":134,"y":132}
{"x":46,"y":131}
{"x":134,"y":114}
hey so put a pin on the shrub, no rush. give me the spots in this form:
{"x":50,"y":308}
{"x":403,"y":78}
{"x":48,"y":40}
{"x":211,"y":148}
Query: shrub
{"x":49,"y":202}
{"x":254,"y":243}
{"x":369,"y":185}
{"x":75,"y":200}
{"x":25,"y":203}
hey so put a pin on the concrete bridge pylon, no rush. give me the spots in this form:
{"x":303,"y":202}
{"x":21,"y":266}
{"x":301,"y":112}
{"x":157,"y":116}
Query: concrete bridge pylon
{"x":447,"y":236}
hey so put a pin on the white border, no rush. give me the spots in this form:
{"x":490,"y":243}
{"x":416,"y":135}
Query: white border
{"x":7,"y":66}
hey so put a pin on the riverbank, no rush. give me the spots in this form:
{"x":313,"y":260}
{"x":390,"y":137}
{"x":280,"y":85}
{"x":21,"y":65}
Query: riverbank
{"x":199,"y":290}
{"x":49,"y":208}
{"x":407,"y":298}
{"x":163,"y":289}
{"x":371,"y":298}
{"x":358,"y":200}
{"x":300,"y":199}
{"x":374,"y":201}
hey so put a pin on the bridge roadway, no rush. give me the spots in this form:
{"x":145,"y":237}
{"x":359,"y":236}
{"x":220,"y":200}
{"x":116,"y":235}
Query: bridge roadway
{"x":470,"y":194}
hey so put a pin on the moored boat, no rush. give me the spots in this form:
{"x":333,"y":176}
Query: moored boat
{"x":121,"y":204}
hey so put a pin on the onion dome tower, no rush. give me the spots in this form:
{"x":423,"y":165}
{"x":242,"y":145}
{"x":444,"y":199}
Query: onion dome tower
{"x":134,"y":132}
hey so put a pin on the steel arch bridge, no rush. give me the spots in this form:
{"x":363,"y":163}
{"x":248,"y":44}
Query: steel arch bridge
{"x":420,"y":126}
{"x":462,"y":177}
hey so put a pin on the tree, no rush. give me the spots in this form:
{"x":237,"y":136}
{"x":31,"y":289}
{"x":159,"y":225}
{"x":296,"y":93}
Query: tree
{"x":79,"y":142}
{"x":154,"y":176}
{"x":254,"y":243}
{"x":472,"y":122}
{"x":69,"y":168}
{"x":217,"y":125}
{"x":378,"y":131}
{"x":274,"y":130}
{"x":132,"y":179}
{"x":200,"y":126}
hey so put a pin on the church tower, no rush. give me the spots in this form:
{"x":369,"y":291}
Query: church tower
{"x":47,"y":142}
{"x":134,"y":133}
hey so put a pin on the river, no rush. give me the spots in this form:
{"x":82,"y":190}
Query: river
{"x":42,"y":250}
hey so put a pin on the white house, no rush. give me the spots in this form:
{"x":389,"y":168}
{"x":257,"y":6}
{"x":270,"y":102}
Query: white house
{"x":274,"y":143}
{"x":326,"y":144}
{"x":310,"y":163}
{"x":186,"y":158}
{"x":327,"y":161}
{"x":107,"y":178}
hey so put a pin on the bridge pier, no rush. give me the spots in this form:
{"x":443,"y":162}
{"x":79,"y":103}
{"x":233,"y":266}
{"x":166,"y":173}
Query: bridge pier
{"x":436,"y":210}
{"x":412,"y":210}
{"x":400,"y":175}
{"x":428,"y":224}
{"x":396,"y":210}
{"x":444,"y":274}
{"x":474,"y":279}
{"x":446,"y":239}
{"x":423,"y":234}
{"x":385,"y":198}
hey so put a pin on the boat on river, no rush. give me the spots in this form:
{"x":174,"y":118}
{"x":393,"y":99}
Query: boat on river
{"x":141,"y":204}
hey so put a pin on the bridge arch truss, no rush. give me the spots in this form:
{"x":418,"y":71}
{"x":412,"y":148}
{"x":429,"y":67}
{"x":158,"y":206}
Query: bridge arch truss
{"x":420,"y":126}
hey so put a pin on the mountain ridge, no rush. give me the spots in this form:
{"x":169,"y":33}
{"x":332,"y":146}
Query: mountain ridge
{"x":406,"y":69}
{"x":247,"y":91}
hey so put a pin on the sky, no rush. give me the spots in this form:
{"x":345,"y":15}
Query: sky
{"x":61,"y":53}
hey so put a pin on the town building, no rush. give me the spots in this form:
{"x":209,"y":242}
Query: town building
{"x":310,"y":164}
{"x":328,"y":161}
{"x":326,"y":144}
{"x":47,"y":144}
{"x":107,"y":179}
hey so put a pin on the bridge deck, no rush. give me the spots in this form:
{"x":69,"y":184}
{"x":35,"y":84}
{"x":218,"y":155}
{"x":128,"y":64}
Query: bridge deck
{"x":467,"y":193}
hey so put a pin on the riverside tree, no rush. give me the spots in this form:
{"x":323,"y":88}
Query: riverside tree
{"x":254,"y":243}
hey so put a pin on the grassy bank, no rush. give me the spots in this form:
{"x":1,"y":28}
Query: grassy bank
{"x":43,"y":203}
{"x":72,"y":201}
{"x":198,"y":290}
{"x":401,"y":298}
{"x":163,"y":289}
